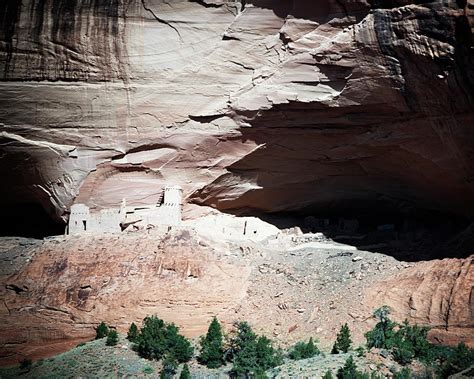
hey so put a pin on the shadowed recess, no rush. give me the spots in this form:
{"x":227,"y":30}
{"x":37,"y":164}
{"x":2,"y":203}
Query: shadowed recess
{"x":28,"y":220}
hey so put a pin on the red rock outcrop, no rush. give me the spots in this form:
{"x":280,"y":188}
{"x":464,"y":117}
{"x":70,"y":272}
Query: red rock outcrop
{"x":436,"y":293}
{"x":70,"y":285}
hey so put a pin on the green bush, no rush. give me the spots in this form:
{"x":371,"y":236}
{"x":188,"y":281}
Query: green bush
{"x":409,"y":342}
{"x":406,"y":342}
{"x":413,"y":338}
{"x":170,"y":367}
{"x":267,"y":356}
{"x":454,"y":360}
{"x":112,"y":338}
{"x":360,"y":351}
{"x":132,"y":334}
{"x":403,"y":352}
{"x":157,"y":339}
{"x":343,"y":341}
{"x":212,"y":350}
{"x":405,"y":373}
{"x":26,"y":364}
{"x":374,"y":375}
{"x":349,"y":371}
{"x":148,"y":370}
{"x":101,"y":331}
{"x":383,"y":334}
{"x":328,"y":375}
{"x":185,"y":374}
{"x":251,"y":355}
{"x":303,"y":350}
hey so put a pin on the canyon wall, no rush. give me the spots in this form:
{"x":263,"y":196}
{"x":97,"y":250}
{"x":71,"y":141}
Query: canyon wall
{"x":263,"y":105}
{"x":249,"y":106}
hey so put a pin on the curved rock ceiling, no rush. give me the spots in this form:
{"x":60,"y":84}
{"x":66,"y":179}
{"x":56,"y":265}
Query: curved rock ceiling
{"x":262,"y":105}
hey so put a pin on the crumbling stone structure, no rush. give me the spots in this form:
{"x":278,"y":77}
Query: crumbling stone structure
{"x":113,"y":220}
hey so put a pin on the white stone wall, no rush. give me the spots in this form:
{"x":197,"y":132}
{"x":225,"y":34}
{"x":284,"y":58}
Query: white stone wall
{"x":107,"y":221}
{"x":165,"y":215}
{"x":82,"y":220}
{"x":79,"y":219}
{"x":227,"y":227}
{"x":172,"y":196}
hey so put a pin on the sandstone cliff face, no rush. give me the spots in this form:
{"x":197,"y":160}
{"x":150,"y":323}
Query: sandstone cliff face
{"x":67,"y":286}
{"x":268,"y":105}
{"x":435,"y":293}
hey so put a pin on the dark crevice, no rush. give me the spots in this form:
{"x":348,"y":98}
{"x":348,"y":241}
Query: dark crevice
{"x":147,"y":147}
{"x":160,"y":20}
{"x":206,"y":5}
{"x":205,"y":119}
{"x":17,"y":289}
{"x":69,"y":56}
{"x":226,"y":37}
{"x":343,"y":7}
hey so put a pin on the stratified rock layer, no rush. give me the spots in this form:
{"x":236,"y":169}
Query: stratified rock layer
{"x":435,"y":293}
{"x":274,"y":106}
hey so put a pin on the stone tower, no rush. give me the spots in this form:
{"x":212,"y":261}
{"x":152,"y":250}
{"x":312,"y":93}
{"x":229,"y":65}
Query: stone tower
{"x":172,"y":196}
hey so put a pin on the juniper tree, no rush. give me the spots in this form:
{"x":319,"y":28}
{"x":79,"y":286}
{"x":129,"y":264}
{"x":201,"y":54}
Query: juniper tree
{"x":303,"y":350}
{"x":343,"y":341}
{"x":185,"y":374}
{"x":382,"y":335}
{"x":169,"y":367}
{"x":349,"y":370}
{"x":101,"y":331}
{"x":405,"y":373}
{"x":157,"y":339}
{"x":251,"y":355}
{"x":26,"y":364}
{"x":112,"y":338}
{"x":212,"y":351}
{"x":132,"y":334}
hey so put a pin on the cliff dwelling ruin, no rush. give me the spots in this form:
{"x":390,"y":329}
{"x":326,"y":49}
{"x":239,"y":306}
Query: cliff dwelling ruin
{"x":113,"y":220}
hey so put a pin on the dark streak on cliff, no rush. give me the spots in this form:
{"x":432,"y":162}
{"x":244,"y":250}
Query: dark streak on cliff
{"x":37,"y":19}
{"x":86,"y":42}
{"x":9,"y":15}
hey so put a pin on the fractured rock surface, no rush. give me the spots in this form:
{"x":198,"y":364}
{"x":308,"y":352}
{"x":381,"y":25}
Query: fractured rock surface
{"x":266,"y":105}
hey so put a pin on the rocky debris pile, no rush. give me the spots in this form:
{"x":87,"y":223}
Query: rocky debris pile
{"x":310,"y":237}
{"x":312,"y":290}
